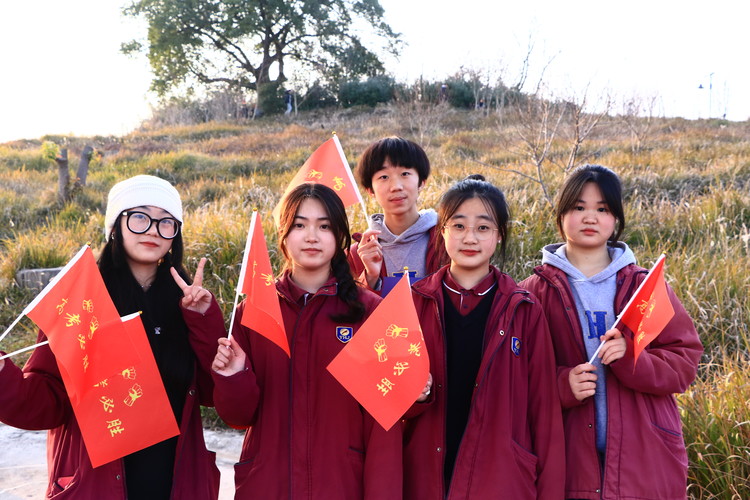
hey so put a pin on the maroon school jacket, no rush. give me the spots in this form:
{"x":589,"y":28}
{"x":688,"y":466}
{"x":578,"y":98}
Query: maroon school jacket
{"x":513,"y":443}
{"x":34,"y":398}
{"x":645,"y":457}
{"x":309,"y":437}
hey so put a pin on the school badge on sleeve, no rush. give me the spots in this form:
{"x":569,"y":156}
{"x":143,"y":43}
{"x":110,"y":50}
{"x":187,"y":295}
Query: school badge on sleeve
{"x":515,"y":345}
{"x":344,"y":333}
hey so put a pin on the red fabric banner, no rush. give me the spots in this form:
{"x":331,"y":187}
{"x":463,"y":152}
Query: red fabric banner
{"x":128,"y":411}
{"x":649,"y":310}
{"x":327,"y":165}
{"x":262,"y":310}
{"x":385,"y":366}
{"x":82,"y":324}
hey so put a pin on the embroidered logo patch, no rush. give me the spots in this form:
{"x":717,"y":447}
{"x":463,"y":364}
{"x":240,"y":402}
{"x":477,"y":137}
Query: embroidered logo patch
{"x":344,"y":333}
{"x":515,"y":345}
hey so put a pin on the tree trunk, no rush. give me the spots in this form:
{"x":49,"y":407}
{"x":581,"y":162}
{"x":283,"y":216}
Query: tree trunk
{"x":83,"y":166}
{"x":63,"y":175}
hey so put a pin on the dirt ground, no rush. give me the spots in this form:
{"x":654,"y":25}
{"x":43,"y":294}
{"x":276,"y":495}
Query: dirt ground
{"x":23,"y":462}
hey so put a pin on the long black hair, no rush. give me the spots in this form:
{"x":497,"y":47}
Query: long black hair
{"x":347,"y":290}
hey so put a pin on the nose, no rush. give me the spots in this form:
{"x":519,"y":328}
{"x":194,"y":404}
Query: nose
{"x":152,"y":230}
{"x":311,"y":234}
{"x":396,"y":184}
{"x":470,"y":235}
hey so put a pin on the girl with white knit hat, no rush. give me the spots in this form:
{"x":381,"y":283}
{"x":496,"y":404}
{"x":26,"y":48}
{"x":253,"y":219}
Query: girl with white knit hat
{"x":142,"y":268}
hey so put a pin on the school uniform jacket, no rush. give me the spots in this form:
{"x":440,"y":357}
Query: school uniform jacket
{"x":645,"y":456}
{"x":310,"y":439}
{"x":435,"y":258}
{"x":513,"y":444}
{"x":34,"y":399}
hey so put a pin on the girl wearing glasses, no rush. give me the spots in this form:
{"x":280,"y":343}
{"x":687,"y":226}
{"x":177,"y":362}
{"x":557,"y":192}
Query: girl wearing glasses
{"x":622,"y":425}
{"x":309,"y":438}
{"x":141,"y":265}
{"x":490,"y":425}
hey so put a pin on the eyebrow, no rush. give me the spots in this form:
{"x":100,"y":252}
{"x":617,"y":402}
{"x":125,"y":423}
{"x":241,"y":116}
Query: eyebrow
{"x":483,"y":217}
{"x":307,"y":218}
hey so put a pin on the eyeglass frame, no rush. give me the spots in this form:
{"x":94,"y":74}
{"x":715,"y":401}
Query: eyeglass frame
{"x":478,"y":235}
{"x":151,"y":221}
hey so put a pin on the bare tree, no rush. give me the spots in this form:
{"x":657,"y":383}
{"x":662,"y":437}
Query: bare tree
{"x":638,"y":116}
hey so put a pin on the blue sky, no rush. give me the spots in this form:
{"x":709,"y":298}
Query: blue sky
{"x":63,"y":73}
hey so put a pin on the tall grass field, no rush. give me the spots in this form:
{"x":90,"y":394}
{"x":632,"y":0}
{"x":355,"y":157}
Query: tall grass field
{"x":687,"y":190}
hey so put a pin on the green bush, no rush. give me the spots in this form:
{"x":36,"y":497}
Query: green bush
{"x":374,"y":90}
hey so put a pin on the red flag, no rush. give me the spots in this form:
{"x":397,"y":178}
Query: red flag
{"x":262,"y":310}
{"x":385,"y":366}
{"x":649,"y":309}
{"x":128,"y":411}
{"x":82,"y":324}
{"x":327,"y":165}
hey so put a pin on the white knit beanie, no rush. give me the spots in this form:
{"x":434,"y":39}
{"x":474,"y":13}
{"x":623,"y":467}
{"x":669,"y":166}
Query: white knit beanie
{"x":138,"y":191}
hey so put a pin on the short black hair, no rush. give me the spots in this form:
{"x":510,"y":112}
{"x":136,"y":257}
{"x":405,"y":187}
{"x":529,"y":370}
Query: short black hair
{"x":609,"y":185}
{"x":401,"y":152}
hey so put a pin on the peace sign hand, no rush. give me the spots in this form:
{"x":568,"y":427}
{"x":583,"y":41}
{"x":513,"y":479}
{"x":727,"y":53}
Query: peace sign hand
{"x":196,"y":298}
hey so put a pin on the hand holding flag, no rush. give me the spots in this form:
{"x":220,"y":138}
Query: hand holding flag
{"x":647,"y":312}
{"x":262,"y":311}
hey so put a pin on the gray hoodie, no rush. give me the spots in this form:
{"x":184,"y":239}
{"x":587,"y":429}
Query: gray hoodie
{"x":595,"y":299}
{"x":408,"y":248}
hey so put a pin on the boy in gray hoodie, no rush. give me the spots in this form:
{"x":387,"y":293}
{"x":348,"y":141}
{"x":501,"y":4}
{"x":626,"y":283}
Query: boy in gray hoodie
{"x":394,"y":171}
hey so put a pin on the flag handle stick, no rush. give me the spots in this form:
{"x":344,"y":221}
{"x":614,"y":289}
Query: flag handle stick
{"x":25,"y":349}
{"x":243,"y":269}
{"x":624,"y":309}
{"x":15,"y":322}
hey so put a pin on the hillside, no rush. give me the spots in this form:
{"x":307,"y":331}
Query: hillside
{"x":687,"y":188}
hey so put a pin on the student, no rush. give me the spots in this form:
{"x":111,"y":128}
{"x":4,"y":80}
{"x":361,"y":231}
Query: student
{"x":310,"y":438}
{"x":491,"y":425}
{"x":141,"y":265}
{"x":394,"y":171}
{"x":623,"y":431}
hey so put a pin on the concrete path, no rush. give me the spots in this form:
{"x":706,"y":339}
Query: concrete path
{"x":23,"y":461}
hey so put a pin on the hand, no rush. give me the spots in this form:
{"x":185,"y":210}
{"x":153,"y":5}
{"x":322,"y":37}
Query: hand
{"x":582,"y":381}
{"x":371,"y":253}
{"x":230,"y":358}
{"x":615,"y":347}
{"x":426,"y":391}
{"x":196,"y":298}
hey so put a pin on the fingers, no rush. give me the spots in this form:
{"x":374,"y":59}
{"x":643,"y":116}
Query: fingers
{"x":198,"y":280}
{"x":178,"y":279}
{"x":612,"y":333}
{"x":426,"y":391}
{"x":582,"y":381}
{"x":613,"y":350}
{"x":368,"y":235}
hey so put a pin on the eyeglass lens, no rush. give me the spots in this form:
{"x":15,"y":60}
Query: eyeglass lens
{"x":139,"y":223}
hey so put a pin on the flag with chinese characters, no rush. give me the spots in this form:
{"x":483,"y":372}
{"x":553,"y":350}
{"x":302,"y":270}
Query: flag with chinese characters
{"x":129,"y":410}
{"x":82,"y":325}
{"x":649,"y":310}
{"x":385,"y":366}
{"x":327,"y":165}
{"x":262,"y":310}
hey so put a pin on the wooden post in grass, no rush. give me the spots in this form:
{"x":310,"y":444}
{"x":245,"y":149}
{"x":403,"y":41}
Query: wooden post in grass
{"x":83,"y":166}
{"x":63,"y":175}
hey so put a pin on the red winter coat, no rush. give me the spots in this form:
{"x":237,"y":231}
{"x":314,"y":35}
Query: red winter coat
{"x":35,"y":399}
{"x":309,"y":438}
{"x":645,"y":456}
{"x":512,"y":447}
{"x":435,"y":257}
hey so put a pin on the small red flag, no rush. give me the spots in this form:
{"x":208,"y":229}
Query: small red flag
{"x":327,"y":165}
{"x":385,"y":366}
{"x":649,"y":309}
{"x":262,"y":310}
{"x":128,"y":411}
{"x":83,"y":326}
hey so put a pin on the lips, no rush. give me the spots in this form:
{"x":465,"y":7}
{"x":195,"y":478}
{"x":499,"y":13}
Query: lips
{"x":589,"y":232}
{"x":470,"y":253}
{"x":149,"y":244}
